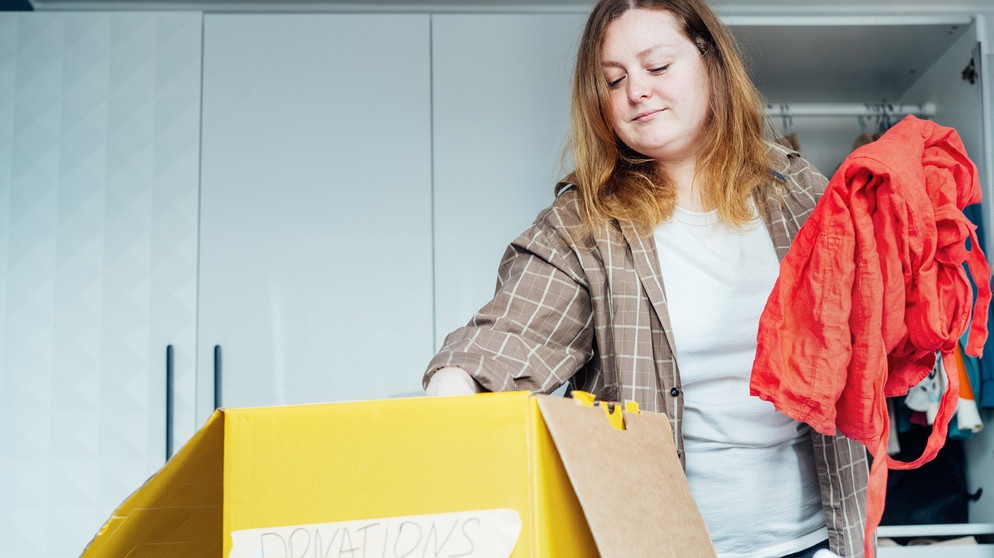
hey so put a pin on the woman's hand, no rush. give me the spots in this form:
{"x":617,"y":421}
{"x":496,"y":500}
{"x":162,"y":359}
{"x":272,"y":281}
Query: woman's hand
{"x":451,"y":381}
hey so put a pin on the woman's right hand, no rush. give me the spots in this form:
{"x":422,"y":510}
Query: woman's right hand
{"x":451,"y":381}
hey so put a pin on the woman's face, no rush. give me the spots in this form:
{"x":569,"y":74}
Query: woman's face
{"x":658,"y":85}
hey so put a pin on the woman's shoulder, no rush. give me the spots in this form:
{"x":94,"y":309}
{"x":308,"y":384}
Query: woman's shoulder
{"x":796,"y":176}
{"x":563,"y":223}
{"x":565,"y":214}
{"x":790,"y":166}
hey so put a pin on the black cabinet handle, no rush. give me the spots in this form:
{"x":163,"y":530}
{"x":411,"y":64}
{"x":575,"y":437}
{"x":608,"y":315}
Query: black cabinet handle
{"x":217,"y":376}
{"x":170,"y":381}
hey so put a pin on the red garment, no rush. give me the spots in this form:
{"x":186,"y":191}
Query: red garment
{"x":872,"y":288}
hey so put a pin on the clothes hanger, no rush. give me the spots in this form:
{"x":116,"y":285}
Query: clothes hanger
{"x":789,"y":137}
{"x":884,"y":117}
{"x":864,"y":137}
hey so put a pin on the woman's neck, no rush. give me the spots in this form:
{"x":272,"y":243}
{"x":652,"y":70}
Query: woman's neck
{"x":688,"y":192}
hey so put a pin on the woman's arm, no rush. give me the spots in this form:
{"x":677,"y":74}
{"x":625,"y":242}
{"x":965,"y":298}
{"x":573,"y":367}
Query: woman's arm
{"x":536,"y":331}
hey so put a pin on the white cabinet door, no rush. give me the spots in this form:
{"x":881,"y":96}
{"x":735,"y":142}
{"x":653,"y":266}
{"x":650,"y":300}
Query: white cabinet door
{"x":501,"y":89}
{"x":315,"y":239}
{"x":99,"y":146}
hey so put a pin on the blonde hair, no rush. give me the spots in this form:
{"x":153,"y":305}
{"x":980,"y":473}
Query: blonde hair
{"x":614,"y":181}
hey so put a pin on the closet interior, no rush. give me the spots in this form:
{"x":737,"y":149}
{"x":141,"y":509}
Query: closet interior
{"x":831,"y":88}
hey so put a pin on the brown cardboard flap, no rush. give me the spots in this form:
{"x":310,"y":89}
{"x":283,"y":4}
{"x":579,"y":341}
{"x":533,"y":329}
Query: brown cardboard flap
{"x":629,"y":482}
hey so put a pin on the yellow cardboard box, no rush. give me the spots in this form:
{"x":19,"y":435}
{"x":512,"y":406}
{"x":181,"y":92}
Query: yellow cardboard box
{"x":491,"y":475}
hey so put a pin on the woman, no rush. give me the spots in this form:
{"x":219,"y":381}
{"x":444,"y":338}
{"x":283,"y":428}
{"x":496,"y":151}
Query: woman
{"x":646,"y":278}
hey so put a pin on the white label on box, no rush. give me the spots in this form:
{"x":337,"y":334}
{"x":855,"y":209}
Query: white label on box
{"x":475,"y":534}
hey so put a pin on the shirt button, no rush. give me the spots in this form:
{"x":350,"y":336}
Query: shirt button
{"x":675,"y":392}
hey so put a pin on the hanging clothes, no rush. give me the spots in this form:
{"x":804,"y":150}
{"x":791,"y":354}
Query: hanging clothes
{"x":862,"y":139}
{"x":927,"y":395}
{"x":983,"y":387}
{"x":968,"y":420}
{"x":872,"y":288}
{"x":883,"y":123}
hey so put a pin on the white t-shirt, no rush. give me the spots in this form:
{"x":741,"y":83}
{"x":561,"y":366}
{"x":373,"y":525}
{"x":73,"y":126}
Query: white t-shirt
{"x":750,"y":467}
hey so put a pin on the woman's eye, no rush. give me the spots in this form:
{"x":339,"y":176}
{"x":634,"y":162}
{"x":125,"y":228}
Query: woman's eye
{"x":615,"y":82}
{"x":659,"y":69}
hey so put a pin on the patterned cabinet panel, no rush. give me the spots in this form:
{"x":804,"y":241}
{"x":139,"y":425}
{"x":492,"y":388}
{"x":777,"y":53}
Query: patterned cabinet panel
{"x":99,"y":162}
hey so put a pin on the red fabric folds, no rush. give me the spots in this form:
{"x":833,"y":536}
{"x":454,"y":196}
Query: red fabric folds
{"x":874,"y":286}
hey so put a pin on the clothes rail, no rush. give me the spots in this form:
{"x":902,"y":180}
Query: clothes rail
{"x":849,"y":109}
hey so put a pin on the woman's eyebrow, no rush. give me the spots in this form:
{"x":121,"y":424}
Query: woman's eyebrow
{"x":643,"y":53}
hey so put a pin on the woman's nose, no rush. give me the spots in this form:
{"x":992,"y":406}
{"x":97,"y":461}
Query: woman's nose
{"x":638,"y":89}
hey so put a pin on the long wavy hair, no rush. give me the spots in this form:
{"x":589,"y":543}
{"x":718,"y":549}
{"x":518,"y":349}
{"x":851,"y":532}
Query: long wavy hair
{"x":614,"y":181}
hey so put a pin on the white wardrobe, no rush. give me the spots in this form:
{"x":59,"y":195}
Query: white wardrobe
{"x":99,"y":164}
{"x":311,"y":201}
{"x":316,"y":216}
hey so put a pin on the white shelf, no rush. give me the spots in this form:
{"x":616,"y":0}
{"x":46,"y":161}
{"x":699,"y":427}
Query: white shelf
{"x":930,"y":551}
{"x":948,"y":550}
{"x":939,"y":530}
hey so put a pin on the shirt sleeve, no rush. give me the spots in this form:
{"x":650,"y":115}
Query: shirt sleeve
{"x":536,"y":332}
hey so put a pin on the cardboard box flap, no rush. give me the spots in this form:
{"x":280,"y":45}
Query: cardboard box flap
{"x":178,"y":511}
{"x":629,"y":482}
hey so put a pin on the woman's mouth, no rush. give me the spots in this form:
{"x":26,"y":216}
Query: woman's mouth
{"x":646,"y":115}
